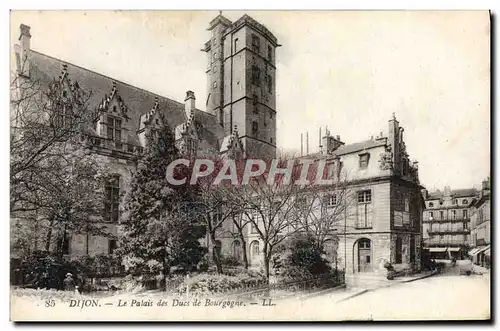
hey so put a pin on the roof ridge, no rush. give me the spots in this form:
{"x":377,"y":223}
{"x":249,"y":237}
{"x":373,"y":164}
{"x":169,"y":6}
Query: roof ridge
{"x":112,"y":79}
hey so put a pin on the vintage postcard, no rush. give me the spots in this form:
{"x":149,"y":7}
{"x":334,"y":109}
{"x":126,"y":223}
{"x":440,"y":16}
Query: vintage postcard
{"x":250,"y":166}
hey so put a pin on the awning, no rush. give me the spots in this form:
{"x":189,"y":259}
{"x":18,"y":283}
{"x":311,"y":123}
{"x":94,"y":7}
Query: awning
{"x":453,"y":249}
{"x":474,"y":251}
{"x":478,"y":250}
{"x":487,"y":251}
{"x":437,"y":249}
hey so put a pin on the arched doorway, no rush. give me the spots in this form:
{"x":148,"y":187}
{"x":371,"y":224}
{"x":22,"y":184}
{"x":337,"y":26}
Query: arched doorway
{"x":237,"y":250}
{"x":399,"y":250}
{"x":255,"y":252}
{"x":364,"y":255}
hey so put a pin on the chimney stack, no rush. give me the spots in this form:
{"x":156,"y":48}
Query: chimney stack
{"x":189,"y":104}
{"x":25,"y":43}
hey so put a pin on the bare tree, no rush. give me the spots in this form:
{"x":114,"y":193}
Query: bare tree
{"x":46,"y":121}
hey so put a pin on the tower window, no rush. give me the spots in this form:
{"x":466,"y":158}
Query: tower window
{"x":214,"y":69}
{"x":255,"y":75}
{"x":255,"y":104}
{"x":269,"y":84}
{"x":255,"y":43}
{"x":236,"y":45}
{"x":269,"y":53}
{"x":271,"y":114}
{"x":215,"y":85}
{"x":255,"y":127}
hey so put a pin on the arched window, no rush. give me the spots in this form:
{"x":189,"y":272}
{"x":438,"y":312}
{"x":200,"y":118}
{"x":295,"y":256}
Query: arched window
{"x":255,"y":248}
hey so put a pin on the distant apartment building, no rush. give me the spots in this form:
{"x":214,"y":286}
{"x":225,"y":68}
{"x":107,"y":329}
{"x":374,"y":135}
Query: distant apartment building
{"x":446,"y":222}
{"x":481,"y":227}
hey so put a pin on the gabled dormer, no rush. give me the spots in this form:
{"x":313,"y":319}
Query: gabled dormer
{"x":232,"y":146}
{"x":66,"y":100}
{"x":150,"y":123}
{"x":114,"y":123}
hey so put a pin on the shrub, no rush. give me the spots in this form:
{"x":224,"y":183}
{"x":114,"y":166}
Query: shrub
{"x":230,"y":261}
{"x":301,"y":257}
{"x":202,"y":284}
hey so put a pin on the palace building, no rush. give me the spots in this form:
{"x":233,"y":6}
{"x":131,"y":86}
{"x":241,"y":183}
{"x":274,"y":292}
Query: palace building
{"x":240,"y":109}
{"x":384,"y":222}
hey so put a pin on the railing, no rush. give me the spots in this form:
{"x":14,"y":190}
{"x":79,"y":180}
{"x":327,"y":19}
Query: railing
{"x":447,"y":230}
{"x":286,"y":288}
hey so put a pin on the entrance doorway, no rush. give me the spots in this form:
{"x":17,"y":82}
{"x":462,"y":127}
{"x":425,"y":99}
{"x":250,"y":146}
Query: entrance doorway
{"x":364,"y":255}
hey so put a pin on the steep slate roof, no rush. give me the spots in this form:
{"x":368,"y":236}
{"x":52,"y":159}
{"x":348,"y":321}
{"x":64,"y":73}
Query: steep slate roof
{"x":460,"y":193}
{"x":45,"y":68}
{"x":358,"y":147}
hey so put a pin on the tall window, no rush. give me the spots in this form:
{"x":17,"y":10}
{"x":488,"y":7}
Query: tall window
{"x":255,"y":43}
{"x":112,"y":202}
{"x":364,"y":209}
{"x":269,"y":84}
{"x":115,"y":130}
{"x":453,"y":214}
{"x":431,"y":214}
{"x":255,"y":102}
{"x":454,"y":201}
{"x":64,"y":116}
{"x":236,"y":45}
{"x":363,"y":160}
{"x":407,"y":205}
{"x":269,"y":53}
{"x":255,"y":75}
{"x":441,"y":215}
{"x":465,"y":214}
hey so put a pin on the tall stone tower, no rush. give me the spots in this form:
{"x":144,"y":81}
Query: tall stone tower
{"x":241,"y":76}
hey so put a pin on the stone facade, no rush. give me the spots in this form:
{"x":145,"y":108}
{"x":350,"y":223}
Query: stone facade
{"x":127,"y":112}
{"x":447,"y":222}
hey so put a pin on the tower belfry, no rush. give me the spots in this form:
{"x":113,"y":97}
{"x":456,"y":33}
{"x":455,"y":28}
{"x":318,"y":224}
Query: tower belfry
{"x":241,"y":81}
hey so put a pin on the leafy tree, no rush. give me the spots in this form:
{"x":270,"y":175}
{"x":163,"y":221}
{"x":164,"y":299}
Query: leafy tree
{"x":161,"y":228}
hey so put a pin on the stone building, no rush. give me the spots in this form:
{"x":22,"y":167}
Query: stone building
{"x":240,"y":111}
{"x":447,"y":222}
{"x":383,"y":222}
{"x":480,"y":220}
{"x":383,"y":205}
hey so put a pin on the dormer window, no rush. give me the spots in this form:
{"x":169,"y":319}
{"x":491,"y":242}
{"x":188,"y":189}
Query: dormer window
{"x":363,"y":160}
{"x":114,"y":109}
{"x":114,"y":131}
{"x":464,"y":201}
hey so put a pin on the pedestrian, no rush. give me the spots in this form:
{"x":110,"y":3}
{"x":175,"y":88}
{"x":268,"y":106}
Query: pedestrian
{"x":69,"y":283}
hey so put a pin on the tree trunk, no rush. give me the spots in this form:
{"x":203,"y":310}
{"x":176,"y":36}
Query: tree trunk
{"x":244,"y":248}
{"x":216,"y":252}
{"x":49,"y":236}
{"x":267,"y":261}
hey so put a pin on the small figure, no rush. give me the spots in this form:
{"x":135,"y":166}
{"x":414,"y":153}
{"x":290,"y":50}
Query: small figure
{"x":69,"y":283}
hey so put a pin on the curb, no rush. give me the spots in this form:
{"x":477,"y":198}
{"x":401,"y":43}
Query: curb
{"x":315,"y":294}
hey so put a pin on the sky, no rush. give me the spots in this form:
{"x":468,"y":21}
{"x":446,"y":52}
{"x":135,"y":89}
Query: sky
{"x":348,"y":71}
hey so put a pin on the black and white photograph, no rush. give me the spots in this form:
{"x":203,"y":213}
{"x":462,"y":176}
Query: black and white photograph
{"x":230,"y":165}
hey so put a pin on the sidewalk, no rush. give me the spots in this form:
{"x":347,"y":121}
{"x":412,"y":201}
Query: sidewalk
{"x":398,"y":280}
{"x":480,"y":270}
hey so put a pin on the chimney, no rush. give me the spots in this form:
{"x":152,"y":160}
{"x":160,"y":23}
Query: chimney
{"x":394,"y":142}
{"x":189,"y":104}
{"x":331,"y":143}
{"x":25,"y":41}
{"x":447,"y":191}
